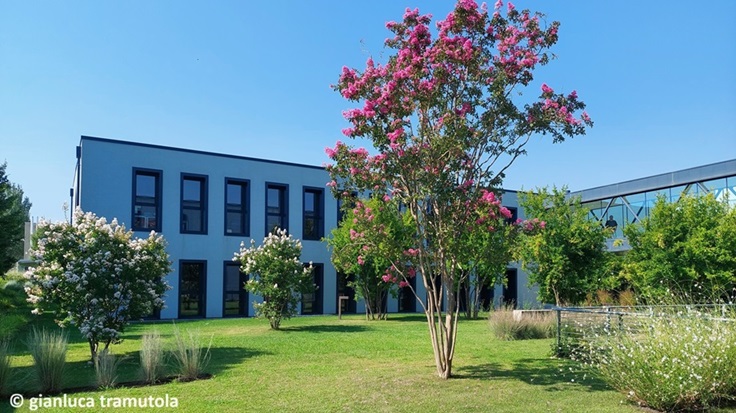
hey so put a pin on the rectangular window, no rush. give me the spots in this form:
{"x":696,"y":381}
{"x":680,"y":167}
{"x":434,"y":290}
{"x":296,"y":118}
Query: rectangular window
{"x":237,"y":205}
{"x":192,"y":282}
{"x":235,"y":296}
{"x":313,"y":222}
{"x":193,"y":204}
{"x":312,"y":302}
{"x":277,"y":207}
{"x":146,"y":200}
{"x":345,"y":290}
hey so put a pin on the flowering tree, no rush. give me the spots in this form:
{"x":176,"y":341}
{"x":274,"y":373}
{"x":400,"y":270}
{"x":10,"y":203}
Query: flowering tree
{"x":95,"y":275}
{"x":277,"y":275}
{"x":443,"y":115}
{"x":372,"y":224}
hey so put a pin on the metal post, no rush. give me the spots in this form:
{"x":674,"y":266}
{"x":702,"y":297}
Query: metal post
{"x":559,"y":331}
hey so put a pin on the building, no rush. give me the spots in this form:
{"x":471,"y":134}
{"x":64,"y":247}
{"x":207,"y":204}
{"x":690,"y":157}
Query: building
{"x":631,"y":201}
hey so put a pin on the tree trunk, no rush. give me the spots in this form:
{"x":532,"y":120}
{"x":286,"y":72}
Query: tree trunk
{"x":93,"y":347}
{"x":442,"y":329}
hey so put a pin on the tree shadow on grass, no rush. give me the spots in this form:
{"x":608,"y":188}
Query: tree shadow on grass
{"x":551,"y":373}
{"x":410,"y":317}
{"x":326,"y":329}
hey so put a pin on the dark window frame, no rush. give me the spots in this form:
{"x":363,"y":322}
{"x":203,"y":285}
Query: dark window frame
{"x":203,"y":194}
{"x":202,"y":302}
{"x":244,"y":304}
{"x":283,"y":207}
{"x":319,"y":214}
{"x":245,"y":212}
{"x":159,"y":178}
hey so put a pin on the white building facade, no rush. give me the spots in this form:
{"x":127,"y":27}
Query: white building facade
{"x":205,"y":204}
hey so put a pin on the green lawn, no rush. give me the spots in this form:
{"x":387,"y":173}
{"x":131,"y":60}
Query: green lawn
{"x":326,"y":364}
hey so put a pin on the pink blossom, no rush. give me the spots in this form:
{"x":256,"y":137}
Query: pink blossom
{"x":546,"y":89}
{"x":360,"y":260}
{"x":403,"y":284}
{"x":411,"y":272}
{"x":386,"y":278}
{"x":496,"y":6}
{"x":411,"y":252}
{"x":510,"y":7}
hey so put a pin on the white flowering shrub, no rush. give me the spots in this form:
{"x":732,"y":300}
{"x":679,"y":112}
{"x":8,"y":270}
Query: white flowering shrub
{"x":96,"y":276}
{"x":276,"y":274}
{"x":679,"y":362}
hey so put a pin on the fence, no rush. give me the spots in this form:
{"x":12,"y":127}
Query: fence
{"x":578,"y":325}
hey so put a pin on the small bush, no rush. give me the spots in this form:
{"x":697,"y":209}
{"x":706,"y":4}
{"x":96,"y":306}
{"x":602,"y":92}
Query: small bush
{"x":190,"y":356}
{"x":4,"y":367}
{"x":626,"y":298}
{"x":532,"y":326}
{"x":679,"y":362}
{"x":152,"y":357}
{"x":48,"y":350}
{"x":106,"y":367}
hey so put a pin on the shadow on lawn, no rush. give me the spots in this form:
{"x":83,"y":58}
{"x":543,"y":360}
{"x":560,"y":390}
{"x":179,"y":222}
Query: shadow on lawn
{"x":326,"y":329}
{"x":542,"y":372}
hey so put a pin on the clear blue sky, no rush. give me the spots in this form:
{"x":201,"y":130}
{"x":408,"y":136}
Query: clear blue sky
{"x":253,"y":78}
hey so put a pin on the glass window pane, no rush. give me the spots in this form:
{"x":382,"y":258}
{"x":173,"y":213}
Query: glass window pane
{"x":234,"y":223}
{"x":232,"y":278}
{"x":191,"y":220}
{"x":145,"y":186}
{"x":234,"y":194}
{"x":310,"y":201}
{"x":192,"y":190}
{"x":274,"y":221}
{"x":274,"y":198}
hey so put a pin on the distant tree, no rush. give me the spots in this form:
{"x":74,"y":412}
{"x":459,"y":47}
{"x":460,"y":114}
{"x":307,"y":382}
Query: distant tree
{"x":568,"y":257}
{"x":350,"y":249}
{"x":96,"y":276}
{"x":276,"y":274}
{"x":14,"y":212}
{"x":686,"y":247}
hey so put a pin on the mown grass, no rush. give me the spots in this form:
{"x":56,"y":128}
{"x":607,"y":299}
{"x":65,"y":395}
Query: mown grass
{"x":326,"y":364}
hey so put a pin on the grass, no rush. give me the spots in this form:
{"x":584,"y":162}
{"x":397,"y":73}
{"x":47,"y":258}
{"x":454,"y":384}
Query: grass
{"x":190,"y":355}
{"x":48,"y":348}
{"x":531,"y":326}
{"x":325,"y":364}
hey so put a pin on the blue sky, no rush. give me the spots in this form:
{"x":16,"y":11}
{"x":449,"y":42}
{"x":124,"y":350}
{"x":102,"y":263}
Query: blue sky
{"x":253,"y":78}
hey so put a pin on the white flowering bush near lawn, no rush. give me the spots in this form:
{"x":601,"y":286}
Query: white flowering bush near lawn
{"x":96,"y":276}
{"x":276,"y":274}
{"x":677,"y":363}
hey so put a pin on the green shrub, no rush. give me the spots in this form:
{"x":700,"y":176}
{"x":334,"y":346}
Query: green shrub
{"x":680,"y":362}
{"x":5,"y":370}
{"x":531,"y":326}
{"x":48,"y":350}
{"x":152,"y":357}
{"x":190,"y":356}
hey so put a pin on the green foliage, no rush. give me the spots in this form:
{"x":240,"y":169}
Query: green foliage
{"x":190,"y":355}
{"x":354,"y":249}
{"x":675,"y":363}
{"x":686,"y":247}
{"x":48,"y":349}
{"x":532,"y":326}
{"x":5,"y":370}
{"x":152,"y":357}
{"x":566,"y":259}
{"x":277,"y":275}
{"x":14,"y":212}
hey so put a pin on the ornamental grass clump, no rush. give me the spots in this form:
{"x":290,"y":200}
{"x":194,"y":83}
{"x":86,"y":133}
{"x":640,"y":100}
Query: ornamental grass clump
{"x":506,"y":327}
{"x":152,"y":357}
{"x":106,"y":368}
{"x":48,"y":350}
{"x":5,"y":370}
{"x":190,"y":356}
{"x":676,"y":362}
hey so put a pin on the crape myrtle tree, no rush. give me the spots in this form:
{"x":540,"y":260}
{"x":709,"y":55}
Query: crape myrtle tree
{"x":686,"y":248}
{"x":351,"y":243}
{"x":96,"y":276}
{"x":568,"y":259}
{"x":444,"y":118}
{"x":276,"y":274}
{"x":14,"y":212}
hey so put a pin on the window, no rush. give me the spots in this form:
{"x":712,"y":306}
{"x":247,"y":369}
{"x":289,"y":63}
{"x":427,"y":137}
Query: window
{"x":192,"y":282}
{"x":344,"y":289}
{"x":193,"y":204}
{"x":312,"y":302}
{"x":235,"y":296}
{"x":514,"y":215}
{"x":277,"y":213}
{"x":345,"y":201}
{"x":146,"y":200}
{"x":314,"y":211}
{"x":237,"y":204}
